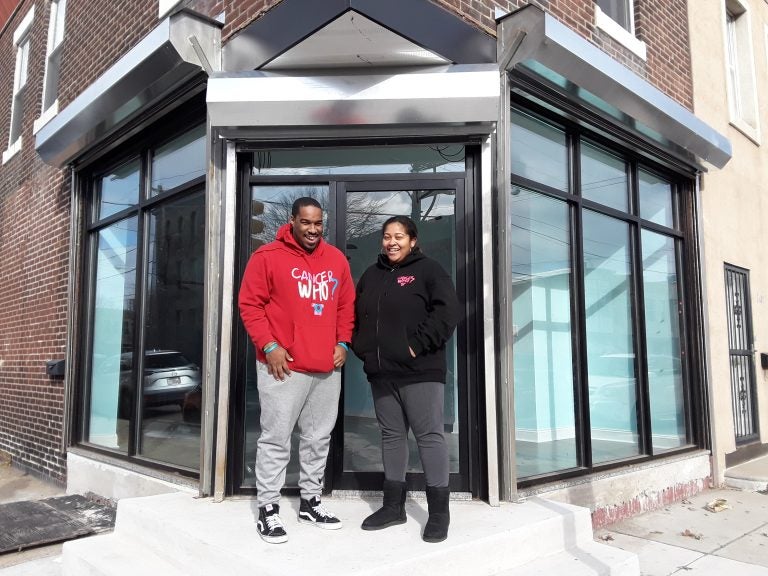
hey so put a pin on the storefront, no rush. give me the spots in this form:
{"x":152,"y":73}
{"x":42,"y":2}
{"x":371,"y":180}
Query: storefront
{"x":556,"y":186}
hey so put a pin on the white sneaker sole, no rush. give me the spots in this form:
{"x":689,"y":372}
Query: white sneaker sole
{"x":274,"y":539}
{"x":323,"y":525}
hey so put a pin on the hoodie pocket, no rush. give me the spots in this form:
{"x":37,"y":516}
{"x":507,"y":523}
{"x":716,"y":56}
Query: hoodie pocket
{"x":313,"y":345}
{"x":396,"y":347}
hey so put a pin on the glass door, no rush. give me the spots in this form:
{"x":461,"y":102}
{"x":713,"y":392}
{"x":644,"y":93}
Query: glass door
{"x":435,"y":206}
{"x":359,"y":188}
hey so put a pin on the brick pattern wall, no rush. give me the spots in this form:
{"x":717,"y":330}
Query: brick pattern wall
{"x":34,"y":198}
{"x":34,"y":239}
{"x":661,"y":24}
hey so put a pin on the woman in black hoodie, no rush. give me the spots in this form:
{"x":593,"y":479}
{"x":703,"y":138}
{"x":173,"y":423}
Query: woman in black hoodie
{"x":405,"y":311}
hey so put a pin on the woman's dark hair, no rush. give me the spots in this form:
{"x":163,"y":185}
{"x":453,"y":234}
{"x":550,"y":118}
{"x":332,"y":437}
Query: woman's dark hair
{"x":408,"y":224}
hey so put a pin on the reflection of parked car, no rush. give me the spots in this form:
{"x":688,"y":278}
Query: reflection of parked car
{"x":168,"y":377}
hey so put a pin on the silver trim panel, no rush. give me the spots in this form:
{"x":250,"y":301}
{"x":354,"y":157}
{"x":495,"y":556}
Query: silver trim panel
{"x":553,"y":45}
{"x":446,"y":95}
{"x":165,"y":59}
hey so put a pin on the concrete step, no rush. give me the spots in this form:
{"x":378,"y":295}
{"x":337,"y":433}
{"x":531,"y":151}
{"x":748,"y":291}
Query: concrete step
{"x":178,"y":534}
{"x":588,"y":559}
{"x":751,"y":476}
{"x":192,"y":536}
{"x":110,"y":555}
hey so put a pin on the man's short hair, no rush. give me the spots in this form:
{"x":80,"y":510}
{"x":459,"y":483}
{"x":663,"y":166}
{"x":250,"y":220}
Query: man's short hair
{"x":300,"y":203}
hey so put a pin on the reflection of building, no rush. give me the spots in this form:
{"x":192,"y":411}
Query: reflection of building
{"x":175,"y":278}
{"x":570,"y":220}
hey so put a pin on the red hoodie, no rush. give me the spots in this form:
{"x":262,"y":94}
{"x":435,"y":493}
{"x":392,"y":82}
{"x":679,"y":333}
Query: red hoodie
{"x":303,"y":301}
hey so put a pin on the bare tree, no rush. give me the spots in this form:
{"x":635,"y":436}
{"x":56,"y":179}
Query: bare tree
{"x":364,"y":214}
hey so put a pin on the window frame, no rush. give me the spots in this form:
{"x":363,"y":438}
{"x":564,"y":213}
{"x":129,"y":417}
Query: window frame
{"x":23,"y":47}
{"x":141,"y":148}
{"x":739,"y":63}
{"x":681,"y":183}
{"x":624,"y":36}
{"x":57,"y":14}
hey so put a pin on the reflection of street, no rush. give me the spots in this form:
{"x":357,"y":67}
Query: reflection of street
{"x":362,"y":447}
{"x":168,"y":438}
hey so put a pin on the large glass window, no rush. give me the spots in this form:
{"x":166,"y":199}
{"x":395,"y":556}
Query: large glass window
{"x":113,"y":335}
{"x":541,"y":308}
{"x":655,"y":199}
{"x":144,"y":386}
{"x":603,"y":177}
{"x":662,"y":337}
{"x":610,"y":338}
{"x":597,"y":347}
{"x":538,"y":151}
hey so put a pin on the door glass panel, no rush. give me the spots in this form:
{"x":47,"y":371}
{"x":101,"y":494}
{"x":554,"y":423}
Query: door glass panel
{"x":655,"y":199}
{"x":434,"y":214}
{"x":603,"y":177}
{"x":179,"y":161}
{"x":662,"y":334}
{"x":111,"y":385}
{"x":270,"y":208}
{"x":610,"y":340}
{"x":545,"y":429}
{"x":539,"y":151}
{"x":119,"y":190}
{"x":172,"y":380}
{"x":432,"y":158}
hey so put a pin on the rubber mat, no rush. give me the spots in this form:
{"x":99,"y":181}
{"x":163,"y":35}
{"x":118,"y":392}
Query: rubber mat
{"x":28,"y":524}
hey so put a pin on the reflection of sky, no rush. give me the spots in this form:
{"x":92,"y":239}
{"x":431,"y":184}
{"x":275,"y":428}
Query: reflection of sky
{"x":437,"y":158}
{"x":115,"y":272}
{"x":180,"y":161}
{"x":120,"y":189}
{"x":655,"y":199}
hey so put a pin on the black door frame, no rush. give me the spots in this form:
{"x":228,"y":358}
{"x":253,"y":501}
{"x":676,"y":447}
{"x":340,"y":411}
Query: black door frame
{"x":472,"y":474}
{"x":461,"y":481}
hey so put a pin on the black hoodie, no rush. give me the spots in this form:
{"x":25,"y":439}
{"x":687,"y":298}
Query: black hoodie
{"x":411,"y":304}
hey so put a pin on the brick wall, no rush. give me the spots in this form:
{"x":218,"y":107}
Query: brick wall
{"x":34,"y":237}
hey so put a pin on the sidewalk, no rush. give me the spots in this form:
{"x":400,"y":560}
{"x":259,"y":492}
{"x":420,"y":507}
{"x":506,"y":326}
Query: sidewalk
{"x":687,"y":538}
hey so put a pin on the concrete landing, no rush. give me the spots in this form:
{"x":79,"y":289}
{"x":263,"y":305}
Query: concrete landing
{"x":752,"y":475}
{"x":178,"y":534}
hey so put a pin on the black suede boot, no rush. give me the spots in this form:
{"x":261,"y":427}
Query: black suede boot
{"x":436,"y":529}
{"x":392,"y":511}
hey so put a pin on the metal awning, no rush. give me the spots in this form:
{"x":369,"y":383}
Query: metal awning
{"x":179,"y":48}
{"x":447,"y":95}
{"x":533,"y":42}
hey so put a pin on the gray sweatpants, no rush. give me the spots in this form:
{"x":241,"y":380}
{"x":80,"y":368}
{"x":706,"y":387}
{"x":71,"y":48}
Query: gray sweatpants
{"x":418,"y":406}
{"x":312,"y":400}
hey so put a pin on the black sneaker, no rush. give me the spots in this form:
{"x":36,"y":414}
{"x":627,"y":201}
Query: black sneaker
{"x":313,"y":512}
{"x":270,"y":526}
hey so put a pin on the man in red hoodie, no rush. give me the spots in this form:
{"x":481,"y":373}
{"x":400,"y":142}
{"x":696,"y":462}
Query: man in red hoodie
{"x":297,"y":303}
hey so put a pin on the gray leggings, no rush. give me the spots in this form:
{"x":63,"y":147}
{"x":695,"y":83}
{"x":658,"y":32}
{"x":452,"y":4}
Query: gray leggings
{"x":418,"y":406}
